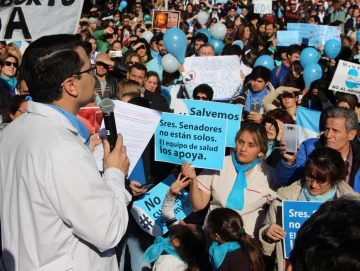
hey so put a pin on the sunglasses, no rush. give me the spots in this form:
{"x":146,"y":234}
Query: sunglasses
{"x":138,"y":7}
{"x":201,"y":98}
{"x":100,"y":64}
{"x":141,"y":47}
{"x":9,"y":63}
{"x":288,"y":95}
{"x":132,"y":62}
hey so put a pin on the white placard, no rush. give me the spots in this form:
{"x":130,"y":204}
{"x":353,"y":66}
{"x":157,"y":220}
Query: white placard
{"x":39,"y":18}
{"x":263,"y":7}
{"x":222,"y":73}
{"x":347,"y":78}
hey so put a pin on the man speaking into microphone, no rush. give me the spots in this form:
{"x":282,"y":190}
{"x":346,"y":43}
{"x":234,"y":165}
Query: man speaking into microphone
{"x":57,"y":212}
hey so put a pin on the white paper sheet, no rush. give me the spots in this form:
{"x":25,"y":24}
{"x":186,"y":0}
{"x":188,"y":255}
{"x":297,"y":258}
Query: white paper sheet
{"x":137,"y":125}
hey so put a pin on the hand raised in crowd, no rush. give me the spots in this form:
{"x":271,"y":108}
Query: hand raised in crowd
{"x":288,"y":157}
{"x":117,"y":158}
{"x":188,"y":171}
{"x":137,"y":45}
{"x":255,"y":116}
{"x":94,"y":141}
{"x":135,"y":188}
{"x":291,"y":89}
{"x":274,"y":43}
{"x":108,"y":30}
{"x":275,"y":232}
{"x":280,"y":134}
{"x":178,"y":185}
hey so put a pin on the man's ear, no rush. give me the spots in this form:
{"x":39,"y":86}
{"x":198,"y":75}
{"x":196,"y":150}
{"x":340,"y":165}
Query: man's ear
{"x":69,"y":87}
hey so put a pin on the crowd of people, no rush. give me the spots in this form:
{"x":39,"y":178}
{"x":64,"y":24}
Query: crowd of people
{"x":59,"y":213}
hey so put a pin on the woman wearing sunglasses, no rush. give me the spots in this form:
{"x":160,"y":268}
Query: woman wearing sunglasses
{"x":9,"y":66}
{"x":325,"y":171}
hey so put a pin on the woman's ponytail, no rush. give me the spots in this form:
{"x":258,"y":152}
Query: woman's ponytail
{"x":251,"y":249}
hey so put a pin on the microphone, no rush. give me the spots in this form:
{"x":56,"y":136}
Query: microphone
{"x":107,"y":107}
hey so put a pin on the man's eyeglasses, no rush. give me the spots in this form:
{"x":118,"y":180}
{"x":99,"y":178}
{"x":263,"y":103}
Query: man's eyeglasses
{"x":9,"y":63}
{"x":21,"y":111}
{"x":77,"y":75}
{"x":137,"y":6}
{"x":198,"y":97}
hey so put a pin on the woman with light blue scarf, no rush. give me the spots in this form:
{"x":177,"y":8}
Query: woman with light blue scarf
{"x":245,"y":184}
{"x":325,"y":171}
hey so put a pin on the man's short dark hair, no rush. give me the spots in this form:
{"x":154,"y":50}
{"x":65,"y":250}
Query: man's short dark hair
{"x":316,"y":18}
{"x":47,"y":62}
{"x":233,"y":7}
{"x":329,"y":240}
{"x":204,"y":88}
{"x":294,"y":48}
{"x":261,"y":72}
{"x":138,"y":66}
{"x":230,"y":24}
{"x":201,"y":37}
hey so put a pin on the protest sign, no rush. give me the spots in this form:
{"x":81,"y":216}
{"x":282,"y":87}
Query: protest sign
{"x":165,"y":19}
{"x":287,"y":38}
{"x":230,"y":112}
{"x":317,"y":35}
{"x":347,"y":79}
{"x":294,"y":214}
{"x":222,"y":73}
{"x":198,"y":140}
{"x":262,"y":6}
{"x":92,"y":117}
{"x":147,"y":210}
{"x":30,"y":20}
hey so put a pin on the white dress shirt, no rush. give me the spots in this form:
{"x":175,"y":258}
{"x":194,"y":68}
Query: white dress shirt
{"x":57,"y":212}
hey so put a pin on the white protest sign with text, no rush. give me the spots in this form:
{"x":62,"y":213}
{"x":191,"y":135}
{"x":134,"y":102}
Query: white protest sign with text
{"x":30,"y":20}
{"x":222,"y":73}
{"x":263,"y":6}
{"x":347,"y":78}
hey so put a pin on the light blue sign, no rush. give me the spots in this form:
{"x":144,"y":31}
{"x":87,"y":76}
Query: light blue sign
{"x":197,"y":140}
{"x":316,"y":34}
{"x":295,"y":213}
{"x":147,"y":210}
{"x":230,"y":112}
{"x":287,"y":38}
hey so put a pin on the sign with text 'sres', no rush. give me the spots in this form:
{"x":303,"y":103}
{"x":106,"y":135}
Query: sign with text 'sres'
{"x":32,"y":19}
{"x":295,"y":213}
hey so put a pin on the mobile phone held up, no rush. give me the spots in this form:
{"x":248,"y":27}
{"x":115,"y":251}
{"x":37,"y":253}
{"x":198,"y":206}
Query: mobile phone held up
{"x":145,"y":186}
{"x":114,"y":54}
{"x":291,"y":137}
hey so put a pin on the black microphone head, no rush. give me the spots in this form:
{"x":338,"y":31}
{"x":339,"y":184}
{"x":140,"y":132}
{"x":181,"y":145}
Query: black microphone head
{"x":107,"y":106}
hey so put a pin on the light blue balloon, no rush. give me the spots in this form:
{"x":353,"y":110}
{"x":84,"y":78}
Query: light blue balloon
{"x":218,"y":46}
{"x":312,"y":72}
{"x":205,"y":32}
{"x":332,"y":48}
{"x":358,"y":36}
{"x":123,"y":4}
{"x":175,"y":42}
{"x":265,"y":61}
{"x":309,"y":56}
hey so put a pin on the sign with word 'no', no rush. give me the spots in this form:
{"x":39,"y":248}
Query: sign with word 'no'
{"x":30,"y":20}
{"x":295,"y":213}
{"x":347,"y":79}
{"x":147,"y":210}
{"x":222,"y":73}
{"x":197,"y":140}
{"x":230,"y":112}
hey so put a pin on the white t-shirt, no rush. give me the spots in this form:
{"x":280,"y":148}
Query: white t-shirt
{"x":260,"y":190}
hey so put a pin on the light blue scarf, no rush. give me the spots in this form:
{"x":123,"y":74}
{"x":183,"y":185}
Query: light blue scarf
{"x":12,"y":83}
{"x":154,"y":54}
{"x":255,"y":97}
{"x":236,"y":197}
{"x":306,"y":196}
{"x":160,"y":245}
{"x":79,"y":126}
{"x":218,"y":252}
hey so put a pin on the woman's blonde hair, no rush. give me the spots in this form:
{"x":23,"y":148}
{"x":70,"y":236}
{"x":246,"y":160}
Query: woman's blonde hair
{"x":13,"y":47}
{"x":128,"y":59}
{"x":127,"y":86}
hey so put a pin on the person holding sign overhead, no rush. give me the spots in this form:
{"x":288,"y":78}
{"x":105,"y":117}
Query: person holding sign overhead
{"x":244,"y":185}
{"x":324,"y":174}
